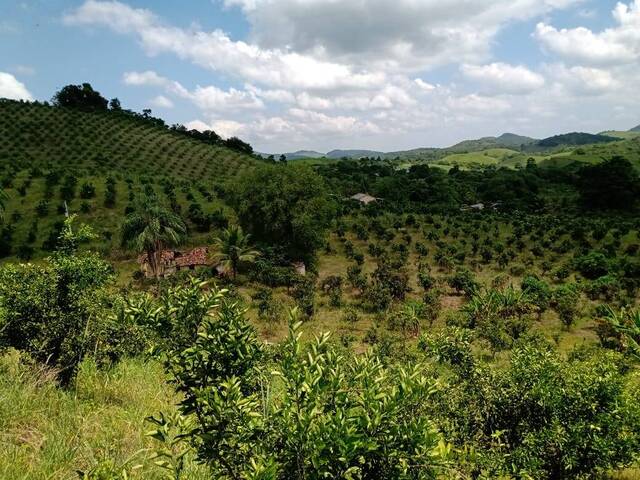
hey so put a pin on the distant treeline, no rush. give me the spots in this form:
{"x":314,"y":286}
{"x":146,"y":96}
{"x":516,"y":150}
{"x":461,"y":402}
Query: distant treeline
{"x":611,"y":185}
{"x":84,"y":97}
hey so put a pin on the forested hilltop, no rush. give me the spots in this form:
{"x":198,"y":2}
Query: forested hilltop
{"x":174,"y":306}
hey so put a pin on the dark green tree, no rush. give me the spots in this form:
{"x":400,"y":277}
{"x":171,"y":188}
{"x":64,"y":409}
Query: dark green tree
{"x":82,"y":97}
{"x":287,"y":206}
{"x":613,"y":184}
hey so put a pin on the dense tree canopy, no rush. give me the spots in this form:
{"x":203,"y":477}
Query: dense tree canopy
{"x":285,"y":205}
{"x":82,"y":97}
{"x":613,"y":184}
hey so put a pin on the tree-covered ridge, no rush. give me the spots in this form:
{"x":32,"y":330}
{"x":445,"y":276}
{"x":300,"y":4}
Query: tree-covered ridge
{"x":576,"y":138}
{"x":86,"y":155}
{"x":105,"y":141}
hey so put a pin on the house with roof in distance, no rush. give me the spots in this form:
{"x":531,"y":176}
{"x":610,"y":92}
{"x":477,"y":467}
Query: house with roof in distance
{"x":172,"y":261}
{"x":364,"y":198}
{"x":478,"y":207}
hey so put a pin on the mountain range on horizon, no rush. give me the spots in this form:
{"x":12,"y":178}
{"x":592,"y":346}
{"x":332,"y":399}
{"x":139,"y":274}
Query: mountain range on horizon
{"x":506,"y":140}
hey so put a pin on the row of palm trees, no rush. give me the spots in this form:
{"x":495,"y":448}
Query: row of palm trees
{"x":152,"y":228}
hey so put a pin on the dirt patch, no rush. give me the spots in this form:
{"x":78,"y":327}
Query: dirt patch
{"x":452,"y":302}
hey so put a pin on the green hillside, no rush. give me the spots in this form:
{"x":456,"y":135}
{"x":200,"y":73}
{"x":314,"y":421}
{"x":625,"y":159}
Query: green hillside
{"x":572,"y":139}
{"x":621,"y":134}
{"x":506,"y":140}
{"x":34,"y":135}
{"x":629,"y":149}
{"x":492,"y":156}
{"x":100,"y":163}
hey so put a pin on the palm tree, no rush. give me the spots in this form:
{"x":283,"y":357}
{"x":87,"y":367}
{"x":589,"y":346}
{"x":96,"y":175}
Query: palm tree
{"x":150,"y":229}
{"x":627,"y":323}
{"x":233,"y":248}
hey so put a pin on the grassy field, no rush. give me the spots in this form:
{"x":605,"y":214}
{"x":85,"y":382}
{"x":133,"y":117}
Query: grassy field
{"x":492,"y":156}
{"x":50,"y":433}
{"x":625,"y":135}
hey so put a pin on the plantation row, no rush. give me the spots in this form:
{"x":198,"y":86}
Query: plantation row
{"x":38,"y":201}
{"x":47,"y":137}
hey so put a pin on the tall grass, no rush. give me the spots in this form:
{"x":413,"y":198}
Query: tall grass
{"x":50,"y":433}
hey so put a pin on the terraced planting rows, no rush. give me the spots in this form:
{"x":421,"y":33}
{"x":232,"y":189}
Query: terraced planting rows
{"x":33,"y":135}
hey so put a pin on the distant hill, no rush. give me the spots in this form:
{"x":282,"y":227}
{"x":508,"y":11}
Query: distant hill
{"x":635,"y":129}
{"x":354,"y":153}
{"x":513,"y":140}
{"x":574,"y":139}
{"x":621,"y":134}
{"x":303,"y":154}
{"x":300,"y":154}
{"x":413,"y":153}
{"x":506,"y":140}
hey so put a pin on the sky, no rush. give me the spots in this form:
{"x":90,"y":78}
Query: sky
{"x":323,"y":74}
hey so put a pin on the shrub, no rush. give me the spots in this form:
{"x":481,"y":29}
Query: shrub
{"x":604,"y":288}
{"x":427,"y":282}
{"x":304,"y":293}
{"x":592,"y":265}
{"x":350,"y":315}
{"x":50,"y":310}
{"x":332,"y":285}
{"x":87,"y":190}
{"x":541,"y":416}
{"x":319,"y":426}
{"x":464,"y":281}
{"x":42,"y":208}
{"x":268,"y":308}
{"x":538,"y":292}
{"x":499,"y":316}
{"x":565,"y":302}
{"x":85,"y":207}
{"x":391,"y":277}
{"x":356,"y":278}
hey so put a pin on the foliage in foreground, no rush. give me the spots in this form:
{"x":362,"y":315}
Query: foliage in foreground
{"x":540,"y":417}
{"x":298,"y":412}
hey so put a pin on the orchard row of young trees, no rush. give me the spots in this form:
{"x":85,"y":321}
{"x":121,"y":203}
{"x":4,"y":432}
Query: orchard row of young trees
{"x":84,"y":97}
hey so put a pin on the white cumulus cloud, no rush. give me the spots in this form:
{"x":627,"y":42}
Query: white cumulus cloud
{"x":504,"y":78}
{"x":611,"y":46}
{"x":12,"y":88}
{"x":161,"y":102}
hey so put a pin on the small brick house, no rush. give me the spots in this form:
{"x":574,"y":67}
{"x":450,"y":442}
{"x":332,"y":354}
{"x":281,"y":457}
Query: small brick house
{"x":172,"y":261}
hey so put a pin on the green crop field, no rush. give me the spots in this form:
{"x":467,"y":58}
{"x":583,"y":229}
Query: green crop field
{"x":492,"y":156}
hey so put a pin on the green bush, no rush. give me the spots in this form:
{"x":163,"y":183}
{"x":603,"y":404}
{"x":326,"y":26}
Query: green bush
{"x":540,"y":417}
{"x":592,"y":265}
{"x":328,"y":418}
{"x":53,"y":311}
